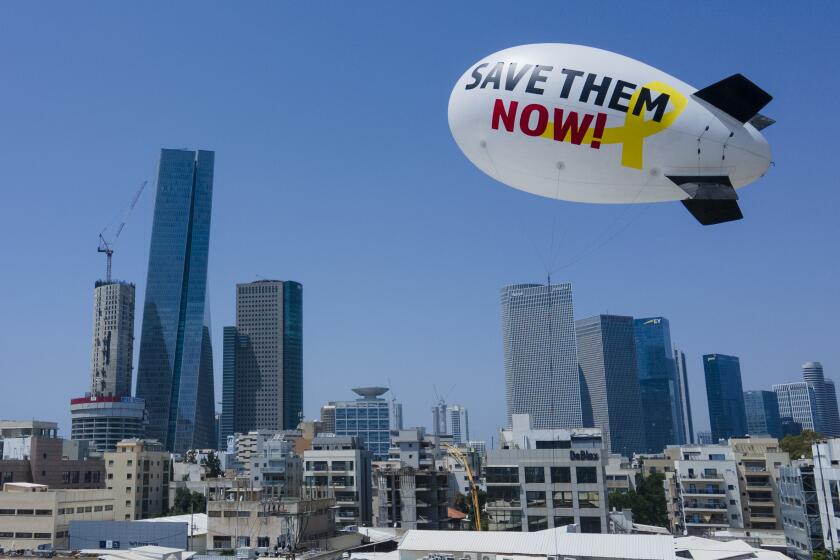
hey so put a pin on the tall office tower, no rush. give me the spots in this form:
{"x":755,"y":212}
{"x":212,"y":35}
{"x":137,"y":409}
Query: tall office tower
{"x":725,"y":395}
{"x":831,"y":401}
{"x":175,"y":372}
{"x":606,"y":352}
{"x":762,"y":410}
{"x":657,"y":383}
{"x":229,"y":343}
{"x":797,"y":402}
{"x":265,"y":350}
{"x":451,"y":420}
{"x":685,"y":396}
{"x":541,"y":371}
{"x":396,"y":415}
{"x":108,"y":414}
{"x":827,"y":421}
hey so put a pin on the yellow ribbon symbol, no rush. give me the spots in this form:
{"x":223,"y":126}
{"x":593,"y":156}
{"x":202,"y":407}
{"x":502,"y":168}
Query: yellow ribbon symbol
{"x":631,"y":135}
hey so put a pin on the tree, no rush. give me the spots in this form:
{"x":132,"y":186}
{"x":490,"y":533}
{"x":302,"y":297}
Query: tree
{"x":797,"y":446}
{"x":647,"y":501}
{"x":189,"y":456}
{"x":463,"y":503}
{"x":212,"y":465}
{"x":825,"y":555}
{"x":187,"y":501}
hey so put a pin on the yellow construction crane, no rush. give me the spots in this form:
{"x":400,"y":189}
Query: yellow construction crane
{"x":456,"y":454}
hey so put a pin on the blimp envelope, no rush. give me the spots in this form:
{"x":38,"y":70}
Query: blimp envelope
{"x":587,"y":125}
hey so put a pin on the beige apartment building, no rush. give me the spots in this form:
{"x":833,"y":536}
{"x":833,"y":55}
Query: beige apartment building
{"x":138,"y":472}
{"x":33,"y":514}
{"x":759,"y":460}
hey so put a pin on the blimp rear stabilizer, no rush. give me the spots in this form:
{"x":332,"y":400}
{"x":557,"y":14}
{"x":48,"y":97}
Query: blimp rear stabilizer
{"x":582,"y":124}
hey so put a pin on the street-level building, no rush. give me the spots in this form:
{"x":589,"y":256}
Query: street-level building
{"x":342,"y":464}
{"x":800,"y":509}
{"x":546,"y":478}
{"x":275,"y":468}
{"x":139,"y":475}
{"x":33,"y":515}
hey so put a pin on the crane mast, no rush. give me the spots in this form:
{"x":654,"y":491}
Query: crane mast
{"x":108,"y":247}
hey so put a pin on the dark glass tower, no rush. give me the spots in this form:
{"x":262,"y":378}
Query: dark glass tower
{"x":661,"y":409}
{"x":725,"y":396}
{"x":606,"y":353}
{"x":175,"y":371}
{"x":762,"y":410}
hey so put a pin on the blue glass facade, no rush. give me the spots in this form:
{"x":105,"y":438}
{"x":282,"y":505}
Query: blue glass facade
{"x":368,"y":419}
{"x":175,"y":370}
{"x":762,"y":411}
{"x":725,"y":396}
{"x":229,"y":344}
{"x":607,"y":355}
{"x":292,"y":355}
{"x":661,"y":409}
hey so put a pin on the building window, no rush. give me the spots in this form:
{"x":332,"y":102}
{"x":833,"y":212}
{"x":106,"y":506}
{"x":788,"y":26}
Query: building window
{"x":502,"y":475}
{"x":589,"y":500}
{"x":7,"y":512}
{"x":537,"y":523}
{"x":109,"y":508}
{"x":503,"y":496}
{"x":563,"y":499}
{"x":26,"y":512}
{"x":561,"y":475}
{"x":534,"y":475}
{"x":43,"y":512}
{"x":42,"y":535}
{"x":590,"y":524}
{"x":23,"y":535}
{"x":504,"y":521}
{"x":535,"y":499}
{"x":563,"y":520}
{"x":587,"y":475}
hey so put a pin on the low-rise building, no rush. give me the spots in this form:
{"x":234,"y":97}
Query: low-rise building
{"x":239,"y":515}
{"x":543,"y":479}
{"x":703,"y":490}
{"x":342,"y":464}
{"x":33,"y":515}
{"x":759,"y":460}
{"x":410,"y":498}
{"x":139,"y":474}
{"x":620,"y":474}
{"x":33,"y":452}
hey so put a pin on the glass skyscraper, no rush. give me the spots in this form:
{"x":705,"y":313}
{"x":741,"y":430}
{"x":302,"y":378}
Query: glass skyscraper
{"x":263,"y":362}
{"x":827,"y":420}
{"x":661,"y":406}
{"x":725,"y":395}
{"x":797,"y":403}
{"x":685,"y":396}
{"x":175,"y":370}
{"x":541,"y":369}
{"x":606,"y":352}
{"x":762,"y":410}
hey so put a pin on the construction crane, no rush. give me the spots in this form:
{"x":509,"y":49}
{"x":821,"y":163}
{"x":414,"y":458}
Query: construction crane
{"x":108,"y":247}
{"x":459,"y":456}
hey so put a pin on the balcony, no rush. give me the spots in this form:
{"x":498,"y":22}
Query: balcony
{"x":711,"y":476}
{"x":704,"y":506}
{"x":708,"y":491}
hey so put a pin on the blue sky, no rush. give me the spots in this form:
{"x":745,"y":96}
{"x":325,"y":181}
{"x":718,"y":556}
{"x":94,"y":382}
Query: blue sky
{"x":335,"y":167}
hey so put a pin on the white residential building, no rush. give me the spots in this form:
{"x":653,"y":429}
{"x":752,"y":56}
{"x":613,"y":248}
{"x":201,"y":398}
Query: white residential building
{"x":342,"y":464}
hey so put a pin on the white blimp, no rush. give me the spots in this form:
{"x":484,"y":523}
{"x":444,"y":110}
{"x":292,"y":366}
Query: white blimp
{"x":587,"y":125}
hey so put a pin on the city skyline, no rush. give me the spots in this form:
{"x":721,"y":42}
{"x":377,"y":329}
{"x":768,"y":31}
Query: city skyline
{"x":386,"y":211}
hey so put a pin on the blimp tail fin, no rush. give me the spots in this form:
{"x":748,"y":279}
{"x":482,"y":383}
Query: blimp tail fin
{"x":712,"y":199}
{"x":736,"y":96}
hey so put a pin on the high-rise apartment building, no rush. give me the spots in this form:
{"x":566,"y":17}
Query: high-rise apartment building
{"x":725,"y":395}
{"x":606,"y":352}
{"x":661,"y":411}
{"x":175,"y":371}
{"x":762,"y":411}
{"x":797,"y":403}
{"x":685,"y":396}
{"x":108,"y":413}
{"x":451,"y":420}
{"x":827,"y":420}
{"x":263,"y":358}
{"x":541,"y":366}
{"x":112,"y":351}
